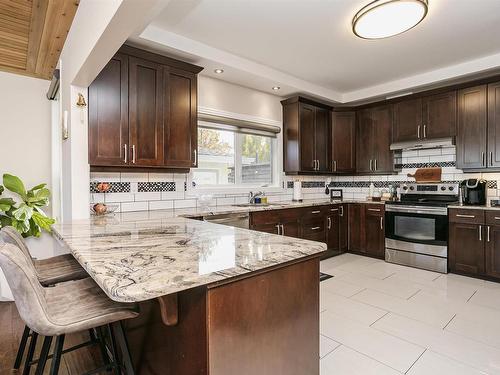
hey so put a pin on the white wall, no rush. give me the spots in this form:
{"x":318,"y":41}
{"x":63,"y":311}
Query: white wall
{"x":25,"y":141}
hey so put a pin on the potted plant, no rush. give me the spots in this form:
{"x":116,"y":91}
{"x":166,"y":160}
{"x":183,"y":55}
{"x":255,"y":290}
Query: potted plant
{"x":26,"y":214}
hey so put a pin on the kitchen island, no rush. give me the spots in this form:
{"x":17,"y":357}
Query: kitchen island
{"x":214,"y":299}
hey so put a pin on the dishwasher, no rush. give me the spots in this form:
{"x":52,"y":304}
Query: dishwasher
{"x":238,"y":220}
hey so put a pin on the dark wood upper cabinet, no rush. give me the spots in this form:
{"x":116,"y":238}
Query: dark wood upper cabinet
{"x":143,"y":112}
{"x":494,"y":125}
{"x":428,"y":117}
{"x":407,"y":120}
{"x":306,"y":136}
{"x":343,"y":142}
{"x":374,"y":134}
{"x":180,"y":126}
{"x":108,"y":114}
{"x":472,"y":128}
{"x":439,"y":115}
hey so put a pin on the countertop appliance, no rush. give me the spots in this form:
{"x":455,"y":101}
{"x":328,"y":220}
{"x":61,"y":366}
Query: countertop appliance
{"x":416,"y":230}
{"x":238,"y":220}
{"x":473,"y":192}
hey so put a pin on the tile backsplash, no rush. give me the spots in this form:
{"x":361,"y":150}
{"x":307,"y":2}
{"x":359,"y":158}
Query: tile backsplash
{"x":155,"y":191}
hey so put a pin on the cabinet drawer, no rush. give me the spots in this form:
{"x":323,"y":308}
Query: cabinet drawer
{"x":493,"y":217}
{"x":312,"y":213}
{"x":374,"y":209}
{"x":466,"y":215}
{"x":274,"y":216}
{"x":314,"y":230}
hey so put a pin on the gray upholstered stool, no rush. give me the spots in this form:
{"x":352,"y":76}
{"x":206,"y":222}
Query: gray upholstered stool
{"x":49,"y":272}
{"x":66,"y":308}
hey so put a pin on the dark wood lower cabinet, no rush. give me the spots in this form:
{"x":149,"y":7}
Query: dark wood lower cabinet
{"x":492,"y":258}
{"x":374,"y":241}
{"x":466,"y":248}
{"x":343,"y":227}
{"x":356,"y":227}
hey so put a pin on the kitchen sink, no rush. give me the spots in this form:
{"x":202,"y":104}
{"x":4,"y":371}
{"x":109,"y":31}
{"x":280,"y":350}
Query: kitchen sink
{"x":256,"y":204}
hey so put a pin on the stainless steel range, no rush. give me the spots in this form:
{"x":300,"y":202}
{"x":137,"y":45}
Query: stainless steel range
{"x":416,"y":231}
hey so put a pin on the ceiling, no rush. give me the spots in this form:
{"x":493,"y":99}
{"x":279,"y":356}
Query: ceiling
{"x":32,"y":34}
{"x":309,"y":46}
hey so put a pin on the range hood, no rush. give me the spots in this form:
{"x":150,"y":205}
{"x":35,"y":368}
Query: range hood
{"x":424,"y":144}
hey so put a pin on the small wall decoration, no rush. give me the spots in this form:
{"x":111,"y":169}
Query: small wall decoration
{"x":82,"y":104}
{"x":64,"y":125}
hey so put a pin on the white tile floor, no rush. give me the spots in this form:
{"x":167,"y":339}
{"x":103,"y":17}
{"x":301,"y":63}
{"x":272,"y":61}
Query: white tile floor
{"x":381,"y":318}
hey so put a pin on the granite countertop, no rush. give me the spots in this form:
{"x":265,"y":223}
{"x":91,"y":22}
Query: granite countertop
{"x":137,"y":260}
{"x":497,"y":208}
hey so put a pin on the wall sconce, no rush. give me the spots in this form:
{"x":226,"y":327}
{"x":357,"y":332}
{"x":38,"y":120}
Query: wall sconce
{"x":82,"y":104}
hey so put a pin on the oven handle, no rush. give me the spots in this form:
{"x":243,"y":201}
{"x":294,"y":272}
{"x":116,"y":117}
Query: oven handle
{"x":442,"y":211}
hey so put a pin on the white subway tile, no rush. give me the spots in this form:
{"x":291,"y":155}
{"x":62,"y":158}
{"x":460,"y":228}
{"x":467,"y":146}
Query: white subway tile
{"x":160,"y":177}
{"x":442,"y":158}
{"x":409,"y":154}
{"x":240,"y":200}
{"x":134,"y":206}
{"x":419,"y":159}
{"x":168,"y":195}
{"x":96,"y":198}
{"x":133,"y":187}
{"x":184,"y":203}
{"x":105,"y":176}
{"x":147,"y":196}
{"x":161,"y":205}
{"x":118,"y":197}
{"x":134,"y":177}
{"x":429,"y":152}
{"x":225,"y":201}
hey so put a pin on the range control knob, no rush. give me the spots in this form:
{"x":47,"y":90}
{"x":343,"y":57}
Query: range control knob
{"x":450,"y":188}
{"x":443,"y":188}
{"x":412,"y":187}
{"x":405,"y":187}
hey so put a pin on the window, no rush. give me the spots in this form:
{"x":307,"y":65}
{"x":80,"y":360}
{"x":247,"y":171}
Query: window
{"x":230,"y":155}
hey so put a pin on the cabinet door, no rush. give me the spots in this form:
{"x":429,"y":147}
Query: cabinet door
{"x":471,"y":129}
{"x":364,"y":141}
{"x":466,"y":248}
{"x":307,"y":149}
{"x":494,"y":125}
{"x":356,"y":230}
{"x":145,"y":112}
{"x":343,"y":142}
{"x":408,"y":120}
{"x":180,"y":125}
{"x":333,"y":231}
{"x":440,"y":115}
{"x":291,"y":228}
{"x":493,"y":251}
{"x":343,"y":227}
{"x":322,"y":137}
{"x":374,"y":231}
{"x":108,"y":114}
{"x":382,"y":155}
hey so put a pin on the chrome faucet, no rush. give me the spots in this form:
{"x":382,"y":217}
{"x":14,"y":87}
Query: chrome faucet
{"x":252,"y":196}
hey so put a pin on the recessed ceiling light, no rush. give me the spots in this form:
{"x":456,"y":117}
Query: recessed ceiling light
{"x":385,"y":18}
{"x":218,"y":71}
{"x":276,"y":88}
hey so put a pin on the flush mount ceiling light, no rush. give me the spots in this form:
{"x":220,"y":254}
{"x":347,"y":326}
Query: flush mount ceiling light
{"x":218,"y":71}
{"x":385,"y":18}
{"x":276,"y":88}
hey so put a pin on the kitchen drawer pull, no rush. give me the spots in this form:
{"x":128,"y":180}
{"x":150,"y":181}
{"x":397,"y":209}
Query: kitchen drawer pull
{"x":374,"y":209}
{"x":315,"y":212}
{"x":480,"y":233}
{"x":315,"y":228}
{"x":329,"y":223}
{"x":497,"y":218}
{"x":466,"y":216}
{"x":334,"y":209}
{"x":381,"y":223}
{"x":125,"y":151}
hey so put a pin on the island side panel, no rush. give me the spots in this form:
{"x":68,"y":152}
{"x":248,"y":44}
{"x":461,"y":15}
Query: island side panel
{"x":267,"y":324}
{"x":170,"y":350}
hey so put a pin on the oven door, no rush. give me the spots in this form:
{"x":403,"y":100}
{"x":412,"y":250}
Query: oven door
{"x":416,"y":224}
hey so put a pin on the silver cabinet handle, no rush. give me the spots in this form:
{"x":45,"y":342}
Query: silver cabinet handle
{"x":334,"y":209}
{"x":334,"y":165}
{"x":497,"y":218}
{"x":125,"y":151}
{"x":480,"y":233}
{"x":374,"y":209}
{"x":133,"y":154}
{"x":381,"y":223}
{"x":488,"y":233}
{"x":375,"y":164}
{"x":418,"y":131}
{"x":424,"y":132}
{"x":466,"y":216}
{"x":371,"y":167}
{"x":278,"y":226}
{"x":282,"y":229}
{"x":483,"y":159}
{"x":341,"y":210}
{"x":315,"y":212}
{"x":318,"y":165}
{"x":329,"y":223}
{"x":335,"y":161}
{"x":315,"y":228}
{"x":195,"y":157}
{"x":491,"y":158}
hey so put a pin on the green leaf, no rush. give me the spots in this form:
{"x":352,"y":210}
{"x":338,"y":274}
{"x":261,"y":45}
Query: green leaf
{"x":40,"y":198}
{"x":5,"y":221}
{"x":43,"y":221}
{"x":22,"y":226}
{"x":34,"y":229}
{"x":38,"y":187}
{"x":14,"y":184}
{"x":23,"y":212}
{"x":1,"y":189}
{"x":6,"y":204}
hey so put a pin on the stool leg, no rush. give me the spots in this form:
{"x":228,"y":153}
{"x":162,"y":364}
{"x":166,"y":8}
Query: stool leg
{"x":56,"y":359}
{"x":116,"y":362}
{"x":43,"y":355}
{"x":102,"y":346}
{"x":22,"y":347}
{"x":31,"y":351}
{"x":123,"y":343}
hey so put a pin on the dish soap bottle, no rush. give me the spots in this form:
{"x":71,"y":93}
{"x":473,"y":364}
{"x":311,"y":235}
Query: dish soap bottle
{"x":370,"y":192}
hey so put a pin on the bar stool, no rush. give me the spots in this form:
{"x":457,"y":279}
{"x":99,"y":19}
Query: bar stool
{"x":49,"y":272}
{"x":68,"y":307}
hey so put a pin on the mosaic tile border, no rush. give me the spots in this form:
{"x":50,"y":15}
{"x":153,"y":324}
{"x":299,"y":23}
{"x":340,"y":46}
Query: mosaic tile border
{"x":491,"y":184}
{"x":442,"y":164}
{"x":145,"y":187}
{"x":114,"y":187}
